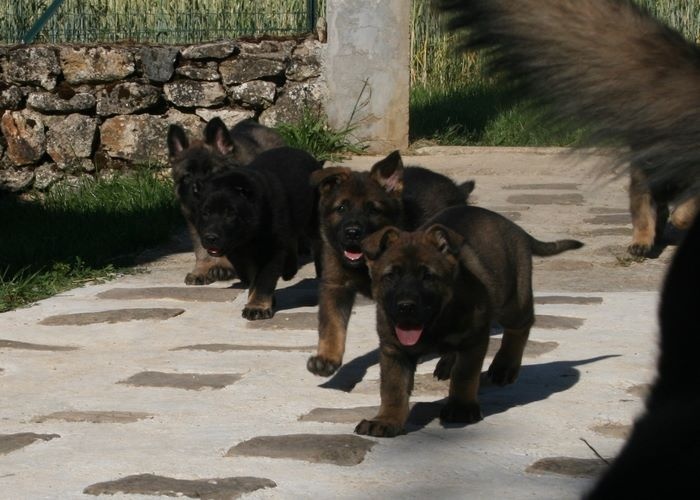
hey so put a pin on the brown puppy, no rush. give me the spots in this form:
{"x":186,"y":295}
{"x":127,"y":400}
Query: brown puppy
{"x":437,"y":290}
{"x":192,"y":163}
{"x":353,"y":205}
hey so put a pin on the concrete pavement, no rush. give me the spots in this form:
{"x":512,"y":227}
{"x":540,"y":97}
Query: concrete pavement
{"x":144,"y":386}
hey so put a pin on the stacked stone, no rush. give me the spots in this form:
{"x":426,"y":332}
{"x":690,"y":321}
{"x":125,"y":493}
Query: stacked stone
{"x":67,"y":111}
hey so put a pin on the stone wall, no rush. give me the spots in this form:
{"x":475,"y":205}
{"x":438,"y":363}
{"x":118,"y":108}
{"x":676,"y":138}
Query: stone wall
{"x":70,"y":110}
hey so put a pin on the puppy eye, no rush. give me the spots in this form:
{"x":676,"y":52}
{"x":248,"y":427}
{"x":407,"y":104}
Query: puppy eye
{"x":342,"y":208}
{"x":429,"y":275}
{"x":373,"y":210}
{"x":391,"y":274}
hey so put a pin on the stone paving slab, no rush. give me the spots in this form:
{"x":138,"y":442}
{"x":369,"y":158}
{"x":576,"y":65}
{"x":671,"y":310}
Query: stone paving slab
{"x":154,"y":406}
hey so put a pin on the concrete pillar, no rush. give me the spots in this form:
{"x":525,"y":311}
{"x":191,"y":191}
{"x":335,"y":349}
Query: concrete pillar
{"x":367,"y":70}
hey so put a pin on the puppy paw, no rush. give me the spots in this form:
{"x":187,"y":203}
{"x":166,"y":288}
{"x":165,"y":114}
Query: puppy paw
{"x":254,"y":313}
{"x":219,"y":273}
{"x":378,"y":428}
{"x":197,"y":279}
{"x":443,"y":369}
{"x":318,"y":365}
{"x":503,"y":371}
{"x":454,"y":412}
{"x":639,"y":249}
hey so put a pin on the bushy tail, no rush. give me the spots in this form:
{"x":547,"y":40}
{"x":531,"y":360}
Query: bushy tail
{"x":605,"y":64}
{"x":546,"y":248}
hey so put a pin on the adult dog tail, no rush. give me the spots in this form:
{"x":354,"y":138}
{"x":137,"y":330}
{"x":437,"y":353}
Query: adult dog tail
{"x":605,"y":64}
{"x":546,"y":248}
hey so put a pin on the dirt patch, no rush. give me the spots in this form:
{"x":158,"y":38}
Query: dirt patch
{"x":95,"y":417}
{"x":187,"y":381}
{"x":238,"y":347}
{"x":610,"y":219}
{"x":11,"y":344}
{"x":12,"y":442}
{"x":568,"y":466}
{"x":563,"y":186}
{"x":567,"y":299}
{"x":287,"y":321}
{"x":640,"y":390}
{"x":546,"y":199}
{"x":605,"y":231}
{"x":150,"y":484}
{"x":606,"y":210}
{"x":111,"y":316}
{"x":187,"y":294}
{"x":613,"y":430}
{"x":340,"y":415}
{"x":335,"y":449}
{"x":558,"y":322}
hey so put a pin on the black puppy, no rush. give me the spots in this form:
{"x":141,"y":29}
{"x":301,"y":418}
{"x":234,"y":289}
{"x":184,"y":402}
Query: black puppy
{"x":257,"y":216}
{"x":192,"y":162}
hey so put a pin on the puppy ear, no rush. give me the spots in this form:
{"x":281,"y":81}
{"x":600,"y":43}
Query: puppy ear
{"x":327,"y":178}
{"x":388,"y":173}
{"x":217,"y":135}
{"x":376,"y":243}
{"x":446,"y":240}
{"x":177,"y":140}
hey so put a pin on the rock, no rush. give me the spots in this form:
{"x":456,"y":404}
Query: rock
{"x":190,"y":93}
{"x":32,"y":66}
{"x":245,"y":69}
{"x":206,"y":71}
{"x":72,"y":138}
{"x":24,"y":133}
{"x":158,"y":63}
{"x":15,"y":181}
{"x":268,"y":49}
{"x":229,"y":116}
{"x":127,"y":98}
{"x":46,"y":176}
{"x":306,"y":61}
{"x":255,"y":94}
{"x":215,"y":50}
{"x":95,"y":64}
{"x":193,"y":124}
{"x":10,"y":96}
{"x":48,"y":102}
{"x":135,"y":138}
{"x":292,"y":101}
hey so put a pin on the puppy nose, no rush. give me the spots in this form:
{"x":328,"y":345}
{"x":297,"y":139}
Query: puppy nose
{"x":353,"y":233}
{"x":209,"y":238}
{"x":407,"y":307}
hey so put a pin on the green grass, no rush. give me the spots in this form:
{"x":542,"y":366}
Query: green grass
{"x":312,"y":134}
{"x":73,"y":234}
{"x":480,"y":114}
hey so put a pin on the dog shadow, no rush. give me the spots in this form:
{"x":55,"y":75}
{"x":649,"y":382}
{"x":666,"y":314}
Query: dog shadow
{"x":301,"y":294}
{"x":535,"y":383}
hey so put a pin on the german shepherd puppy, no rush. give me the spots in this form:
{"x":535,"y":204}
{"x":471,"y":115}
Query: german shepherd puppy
{"x":438,"y":289}
{"x":628,"y":77}
{"x":352,"y":206}
{"x":257,"y":216}
{"x":601,"y":77}
{"x":220,"y":151}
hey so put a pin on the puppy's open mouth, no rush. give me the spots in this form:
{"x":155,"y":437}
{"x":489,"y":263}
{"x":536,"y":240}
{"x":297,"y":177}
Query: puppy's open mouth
{"x":353,"y":254}
{"x":408,"y":335}
{"x":215,"y":252}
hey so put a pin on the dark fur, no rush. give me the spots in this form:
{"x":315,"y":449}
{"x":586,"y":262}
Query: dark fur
{"x":352,"y":206}
{"x":258,"y":216}
{"x":608,"y":65}
{"x":464,"y":269}
{"x":634,"y":80}
{"x":220,"y":150}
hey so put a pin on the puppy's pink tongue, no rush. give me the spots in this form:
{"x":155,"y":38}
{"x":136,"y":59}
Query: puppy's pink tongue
{"x":352,"y":255}
{"x":408,"y":336}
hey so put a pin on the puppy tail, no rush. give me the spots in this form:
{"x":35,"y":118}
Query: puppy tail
{"x":546,"y":248}
{"x":605,"y":64}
